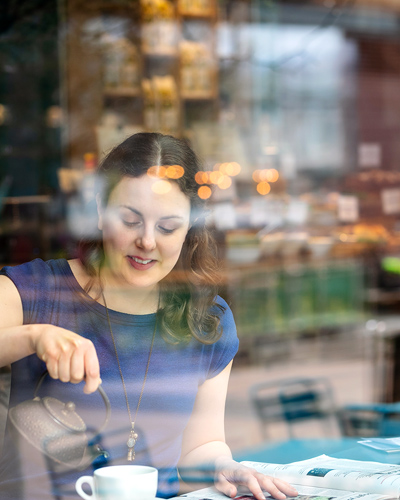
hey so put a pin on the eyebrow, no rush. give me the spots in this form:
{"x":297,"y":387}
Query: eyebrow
{"x":161,"y":218}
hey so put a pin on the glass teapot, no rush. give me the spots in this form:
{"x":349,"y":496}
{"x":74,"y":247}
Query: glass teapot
{"x":56,"y":429}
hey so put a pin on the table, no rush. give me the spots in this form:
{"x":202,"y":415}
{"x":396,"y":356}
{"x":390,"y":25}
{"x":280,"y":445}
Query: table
{"x":292,"y":450}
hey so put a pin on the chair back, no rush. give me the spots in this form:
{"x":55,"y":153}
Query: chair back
{"x":293,"y":400}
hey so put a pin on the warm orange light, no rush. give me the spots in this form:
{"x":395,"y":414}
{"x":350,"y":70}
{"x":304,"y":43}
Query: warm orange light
{"x":207,"y":177}
{"x":270,"y":150}
{"x":272,"y":175}
{"x":174,"y":172}
{"x":256,"y":175}
{"x":215,"y":176}
{"x":225,"y":182}
{"x":216,"y":166}
{"x":157,"y":172}
{"x":161,"y":187}
{"x":233,"y":168}
{"x":199,"y":177}
{"x":222,"y":168}
{"x":264,"y":174}
{"x":204,"y":192}
{"x":263,"y":187}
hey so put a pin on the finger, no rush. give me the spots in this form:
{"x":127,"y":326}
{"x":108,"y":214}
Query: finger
{"x":268,"y":484}
{"x":225,"y":487}
{"x":248,"y":479}
{"x":52,"y":367}
{"x":64,"y":364}
{"x":287,"y":488}
{"x":92,"y":370}
{"x":77,"y":369}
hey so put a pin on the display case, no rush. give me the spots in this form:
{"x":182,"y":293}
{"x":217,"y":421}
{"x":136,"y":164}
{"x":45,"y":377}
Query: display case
{"x":136,"y":66}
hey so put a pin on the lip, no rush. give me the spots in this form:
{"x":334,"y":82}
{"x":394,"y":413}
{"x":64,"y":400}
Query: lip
{"x":137,"y":265}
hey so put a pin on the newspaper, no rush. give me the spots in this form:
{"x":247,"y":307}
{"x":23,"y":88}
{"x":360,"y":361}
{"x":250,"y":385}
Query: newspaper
{"x":323,"y":478}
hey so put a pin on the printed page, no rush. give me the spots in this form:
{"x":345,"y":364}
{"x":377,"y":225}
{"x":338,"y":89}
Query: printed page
{"x":343,"y":474}
{"x":305,"y":493}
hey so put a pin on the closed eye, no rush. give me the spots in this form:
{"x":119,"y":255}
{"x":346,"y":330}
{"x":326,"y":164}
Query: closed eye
{"x":130,"y":223}
{"x":165,"y":230}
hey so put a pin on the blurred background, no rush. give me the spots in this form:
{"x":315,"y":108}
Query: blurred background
{"x":294,"y":109}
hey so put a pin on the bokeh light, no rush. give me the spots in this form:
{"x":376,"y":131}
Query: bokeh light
{"x":204,"y":192}
{"x":271,"y":150}
{"x":174,"y":172}
{"x":215,"y":177}
{"x":157,"y":172}
{"x":225,"y":182}
{"x":161,"y":187}
{"x":233,"y":169}
{"x":272,"y":175}
{"x":256,"y":176}
{"x":263,"y":187}
{"x":202,"y":177}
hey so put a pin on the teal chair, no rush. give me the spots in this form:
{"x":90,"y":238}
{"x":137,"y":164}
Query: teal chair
{"x":371,"y":420}
{"x":294,"y":400}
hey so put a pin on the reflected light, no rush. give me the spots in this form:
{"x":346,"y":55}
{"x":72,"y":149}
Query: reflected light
{"x":270,"y":150}
{"x":263,"y":187}
{"x":156,"y":172}
{"x":174,"y":172}
{"x":233,"y":168}
{"x":256,"y":175}
{"x":222,"y":168}
{"x":202,"y":177}
{"x":272,"y":175}
{"x":204,"y":192}
{"x":216,"y":176}
{"x":161,"y":187}
{"x":225,"y":182}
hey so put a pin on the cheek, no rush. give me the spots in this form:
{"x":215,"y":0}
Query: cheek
{"x":113,"y":235}
{"x":173,"y":249}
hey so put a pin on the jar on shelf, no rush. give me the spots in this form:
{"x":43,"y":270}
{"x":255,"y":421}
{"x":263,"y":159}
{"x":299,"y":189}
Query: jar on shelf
{"x":167,"y":96}
{"x":121,"y":65}
{"x":150,"y":105}
{"x":159,"y":27}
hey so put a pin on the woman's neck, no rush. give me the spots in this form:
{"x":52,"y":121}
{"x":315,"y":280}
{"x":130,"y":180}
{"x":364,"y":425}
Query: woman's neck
{"x":118,"y":297}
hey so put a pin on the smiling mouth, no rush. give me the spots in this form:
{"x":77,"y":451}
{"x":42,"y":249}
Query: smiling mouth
{"x":141,"y":261}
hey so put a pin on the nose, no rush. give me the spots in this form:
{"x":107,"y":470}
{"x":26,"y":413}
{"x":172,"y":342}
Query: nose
{"x":146,"y":238}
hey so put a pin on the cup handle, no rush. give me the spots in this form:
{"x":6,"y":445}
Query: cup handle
{"x":79,"y":490}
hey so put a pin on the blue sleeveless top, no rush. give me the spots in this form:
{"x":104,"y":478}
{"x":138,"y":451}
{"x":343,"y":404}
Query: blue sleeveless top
{"x":50,"y":294}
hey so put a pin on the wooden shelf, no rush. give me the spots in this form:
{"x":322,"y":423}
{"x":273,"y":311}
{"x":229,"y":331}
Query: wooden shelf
{"x":198,"y":96}
{"x":167,"y":53}
{"x":197,"y":15}
{"x":121,"y":92}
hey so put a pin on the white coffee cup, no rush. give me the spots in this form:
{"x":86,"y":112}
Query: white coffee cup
{"x":122,"y":482}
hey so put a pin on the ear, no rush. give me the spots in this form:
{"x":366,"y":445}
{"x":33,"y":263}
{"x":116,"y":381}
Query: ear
{"x":99,"y":212}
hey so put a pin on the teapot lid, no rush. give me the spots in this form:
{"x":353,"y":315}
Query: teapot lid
{"x":64,"y":413}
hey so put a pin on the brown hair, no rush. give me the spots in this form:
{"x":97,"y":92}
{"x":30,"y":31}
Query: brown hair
{"x":189,"y":291}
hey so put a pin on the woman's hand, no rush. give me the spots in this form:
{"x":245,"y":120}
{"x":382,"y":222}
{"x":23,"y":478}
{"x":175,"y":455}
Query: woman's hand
{"x":68,"y":356}
{"x":230,"y":474}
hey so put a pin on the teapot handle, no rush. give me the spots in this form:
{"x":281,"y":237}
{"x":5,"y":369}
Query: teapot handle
{"x":99,"y":389}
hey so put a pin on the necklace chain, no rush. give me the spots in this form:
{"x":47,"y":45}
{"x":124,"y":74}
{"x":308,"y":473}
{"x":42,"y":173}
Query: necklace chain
{"x":132,"y":434}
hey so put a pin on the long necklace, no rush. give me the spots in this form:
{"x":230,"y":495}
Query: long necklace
{"x":133,"y":436}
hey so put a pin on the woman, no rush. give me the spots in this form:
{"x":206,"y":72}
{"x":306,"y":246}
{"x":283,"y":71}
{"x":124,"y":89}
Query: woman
{"x":138,"y":309}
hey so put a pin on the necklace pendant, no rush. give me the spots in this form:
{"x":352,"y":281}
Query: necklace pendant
{"x":131,"y":445}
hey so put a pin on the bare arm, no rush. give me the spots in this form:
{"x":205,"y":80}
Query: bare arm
{"x":204,"y":445}
{"x":68,"y":356}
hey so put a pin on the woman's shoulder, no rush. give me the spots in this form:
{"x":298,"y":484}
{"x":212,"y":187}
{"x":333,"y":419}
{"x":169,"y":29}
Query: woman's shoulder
{"x":227,"y":321}
{"x":34,"y":272}
{"x":222,"y":308}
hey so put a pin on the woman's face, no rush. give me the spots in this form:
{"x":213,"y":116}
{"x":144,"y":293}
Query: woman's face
{"x":143,"y":232}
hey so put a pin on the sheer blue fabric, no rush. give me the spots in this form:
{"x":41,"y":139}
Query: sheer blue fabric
{"x":51,"y":294}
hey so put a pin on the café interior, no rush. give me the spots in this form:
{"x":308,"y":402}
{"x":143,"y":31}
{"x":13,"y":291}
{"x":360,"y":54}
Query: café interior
{"x":294,"y":108}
